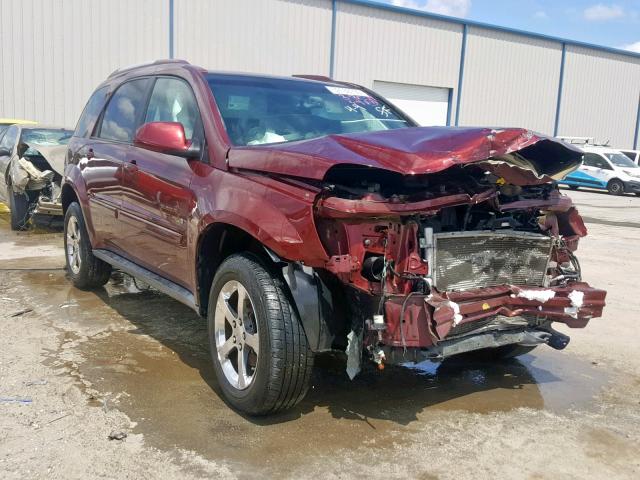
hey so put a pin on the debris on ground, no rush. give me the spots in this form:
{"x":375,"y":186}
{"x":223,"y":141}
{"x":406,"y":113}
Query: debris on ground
{"x":117,"y":435}
{"x":15,"y":400}
{"x":21,"y":312}
{"x":36,"y":382}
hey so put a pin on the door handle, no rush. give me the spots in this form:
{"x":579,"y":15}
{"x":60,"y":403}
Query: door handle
{"x":131,"y":166}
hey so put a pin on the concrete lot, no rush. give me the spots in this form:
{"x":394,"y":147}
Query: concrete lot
{"x":75,"y":366}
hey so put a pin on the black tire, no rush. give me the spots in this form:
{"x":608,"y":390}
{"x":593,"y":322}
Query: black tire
{"x":282,"y":368}
{"x":574,"y":187}
{"x":637,"y":194}
{"x":19,"y":207}
{"x":90,"y":272}
{"x":615,"y":187}
{"x":504,"y":352}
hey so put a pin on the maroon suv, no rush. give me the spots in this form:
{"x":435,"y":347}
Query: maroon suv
{"x":305,"y":215}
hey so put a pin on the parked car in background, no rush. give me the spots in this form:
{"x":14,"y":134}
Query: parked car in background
{"x":7,"y":122}
{"x":31,"y":169}
{"x":303,"y":216}
{"x":606,"y":169}
{"x":634,"y":155}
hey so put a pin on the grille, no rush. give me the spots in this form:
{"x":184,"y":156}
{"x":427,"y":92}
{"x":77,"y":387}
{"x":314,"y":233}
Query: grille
{"x":465,"y":260}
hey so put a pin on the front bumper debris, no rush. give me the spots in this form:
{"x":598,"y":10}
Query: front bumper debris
{"x":421,"y":321}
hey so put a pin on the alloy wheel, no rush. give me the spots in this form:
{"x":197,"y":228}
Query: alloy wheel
{"x":73,"y":245}
{"x":236,"y":335}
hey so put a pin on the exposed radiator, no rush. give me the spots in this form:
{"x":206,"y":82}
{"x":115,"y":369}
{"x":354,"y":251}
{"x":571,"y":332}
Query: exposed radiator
{"x":465,"y":260}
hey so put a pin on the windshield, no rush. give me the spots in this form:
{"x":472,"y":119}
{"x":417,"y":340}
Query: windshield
{"x":620,"y":160}
{"x":43,"y":137}
{"x":259,"y":111}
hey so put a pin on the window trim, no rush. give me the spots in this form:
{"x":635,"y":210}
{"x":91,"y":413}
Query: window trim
{"x":89,"y":132}
{"x":199,"y":122}
{"x":198,"y":129}
{"x":98,"y":126}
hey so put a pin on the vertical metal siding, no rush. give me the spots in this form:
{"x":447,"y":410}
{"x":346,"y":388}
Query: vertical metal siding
{"x":280,"y":37}
{"x":510,"y":80}
{"x":600,"y":96}
{"x":53,"y":54}
{"x":373,"y":44}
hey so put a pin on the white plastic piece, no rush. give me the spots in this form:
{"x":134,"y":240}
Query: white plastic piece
{"x":573,"y":311}
{"x":577,"y":298}
{"x":457,"y":317}
{"x":541,"y":296}
{"x":378,"y":319}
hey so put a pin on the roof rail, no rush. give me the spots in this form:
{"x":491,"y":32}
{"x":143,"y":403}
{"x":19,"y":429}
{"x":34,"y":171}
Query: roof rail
{"x":118,"y":71}
{"x":577,"y":140}
{"x":584,"y":141}
{"x":320,"y":78}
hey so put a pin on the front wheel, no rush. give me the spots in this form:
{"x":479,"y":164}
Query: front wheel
{"x":19,"y":207}
{"x":86,"y":271}
{"x":260,"y":353}
{"x":573,"y":187}
{"x":615,"y":187}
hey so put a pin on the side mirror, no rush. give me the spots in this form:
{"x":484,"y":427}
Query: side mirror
{"x":4,"y":152}
{"x":166,"y":137}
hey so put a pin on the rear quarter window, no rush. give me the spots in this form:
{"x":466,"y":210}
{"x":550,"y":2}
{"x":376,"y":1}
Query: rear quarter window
{"x":123,"y":112}
{"x":91,"y":112}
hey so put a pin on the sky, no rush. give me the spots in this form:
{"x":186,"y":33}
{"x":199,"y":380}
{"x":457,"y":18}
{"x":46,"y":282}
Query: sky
{"x":613,"y":24}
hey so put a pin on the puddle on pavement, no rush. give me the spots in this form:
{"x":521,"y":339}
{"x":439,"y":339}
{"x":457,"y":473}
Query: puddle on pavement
{"x":37,"y":247}
{"x":157,"y":360}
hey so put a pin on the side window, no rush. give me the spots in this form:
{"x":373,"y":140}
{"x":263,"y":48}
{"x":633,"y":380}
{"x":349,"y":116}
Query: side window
{"x":602,"y":163}
{"x":593,"y":160}
{"x":91,"y":112}
{"x":10,"y":137}
{"x":123,"y":111}
{"x":172,"y":101}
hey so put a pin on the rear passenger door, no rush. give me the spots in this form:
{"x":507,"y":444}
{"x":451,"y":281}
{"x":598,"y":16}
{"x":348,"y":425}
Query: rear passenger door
{"x":102,"y":160}
{"x":157,"y":200}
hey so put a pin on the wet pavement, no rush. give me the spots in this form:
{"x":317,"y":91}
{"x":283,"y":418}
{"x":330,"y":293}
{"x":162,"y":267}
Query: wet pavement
{"x":149,"y":358}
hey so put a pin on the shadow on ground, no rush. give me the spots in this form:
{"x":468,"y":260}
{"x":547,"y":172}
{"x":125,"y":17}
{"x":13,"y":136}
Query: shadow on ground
{"x":396,"y":394}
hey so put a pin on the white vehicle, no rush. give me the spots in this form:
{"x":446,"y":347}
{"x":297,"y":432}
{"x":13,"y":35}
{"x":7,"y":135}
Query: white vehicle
{"x":634,"y":155}
{"x":607,"y":169}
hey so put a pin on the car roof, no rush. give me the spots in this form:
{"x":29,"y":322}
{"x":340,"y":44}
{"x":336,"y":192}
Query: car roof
{"x":599,"y":149}
{"x":44,"y":127}
{"x":295,"y":78}
{"x":16,"y":121}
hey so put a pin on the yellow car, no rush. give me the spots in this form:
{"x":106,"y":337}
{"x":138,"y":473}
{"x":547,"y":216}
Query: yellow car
{"x":7,"y":122}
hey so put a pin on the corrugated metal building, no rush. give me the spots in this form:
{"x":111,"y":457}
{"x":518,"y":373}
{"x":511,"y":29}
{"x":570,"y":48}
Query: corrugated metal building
{"x":441,"y":70}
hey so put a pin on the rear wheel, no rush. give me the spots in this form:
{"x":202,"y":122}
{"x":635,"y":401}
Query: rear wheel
{"x":86,"y":271}
{"x":19,"y":206}
{"x":573,"y":187}
{"x":615,"y":187}
{"x":260,"y":353}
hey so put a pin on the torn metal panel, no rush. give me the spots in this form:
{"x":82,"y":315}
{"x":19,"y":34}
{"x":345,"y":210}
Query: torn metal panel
{"x":54,"y":155}
{"x":25,"y":176}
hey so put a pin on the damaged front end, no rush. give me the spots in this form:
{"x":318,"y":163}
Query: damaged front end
{"x":477,"y":253}
{"x":36,"y":174}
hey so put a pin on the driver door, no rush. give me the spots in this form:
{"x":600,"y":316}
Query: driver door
{"x":157,"y":201}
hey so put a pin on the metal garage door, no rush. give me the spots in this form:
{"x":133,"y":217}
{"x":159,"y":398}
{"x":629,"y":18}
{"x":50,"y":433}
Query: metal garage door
{"x":426,"y":105}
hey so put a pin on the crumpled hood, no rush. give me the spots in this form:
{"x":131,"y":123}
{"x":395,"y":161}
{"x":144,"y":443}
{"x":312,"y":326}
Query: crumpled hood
{"x":54,"y":154}
{"x":517,"y":154}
